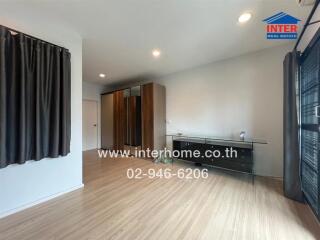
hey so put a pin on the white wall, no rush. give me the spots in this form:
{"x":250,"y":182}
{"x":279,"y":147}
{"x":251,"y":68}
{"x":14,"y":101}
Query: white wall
{"x":33,"y":182}
{"x":92,"y":91}
{"x":223,"y":98}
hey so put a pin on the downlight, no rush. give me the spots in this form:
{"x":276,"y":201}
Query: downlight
{"x":156,"y":53}
{"x":245,"y":17}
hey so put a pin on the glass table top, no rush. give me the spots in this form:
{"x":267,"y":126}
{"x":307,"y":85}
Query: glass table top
{"x":215,"y":138}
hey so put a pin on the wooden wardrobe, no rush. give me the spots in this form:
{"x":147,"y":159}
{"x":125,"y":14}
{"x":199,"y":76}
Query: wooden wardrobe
{"x":153,"y":116}
{"x":118,"y":120}
{"x":138,"y":121}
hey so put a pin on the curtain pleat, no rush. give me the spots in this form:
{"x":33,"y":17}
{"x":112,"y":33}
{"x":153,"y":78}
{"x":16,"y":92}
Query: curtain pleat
{"x":291,"y":169}
{"x":35,"y":89}
{"x":3,"y":96}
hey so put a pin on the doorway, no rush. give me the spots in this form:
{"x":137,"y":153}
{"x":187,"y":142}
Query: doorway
{"x":89,"y":125}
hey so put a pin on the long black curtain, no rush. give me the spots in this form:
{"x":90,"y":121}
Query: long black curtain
{"x":291,"y":173}
{"x":34,"y":99}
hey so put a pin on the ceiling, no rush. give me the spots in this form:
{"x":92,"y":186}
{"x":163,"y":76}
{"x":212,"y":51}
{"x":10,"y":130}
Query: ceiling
{"x":119,"y":35}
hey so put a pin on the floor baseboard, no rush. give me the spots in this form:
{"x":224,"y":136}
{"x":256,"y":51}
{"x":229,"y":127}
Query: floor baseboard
{"x":23,"y":207}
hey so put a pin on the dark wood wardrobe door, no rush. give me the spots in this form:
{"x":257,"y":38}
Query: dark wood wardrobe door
{"x":131,"y":119}
{"x":126,"y":121}
{"x":135,"y":120}
{"x":147,"y":116}
{"x":118,"y":120}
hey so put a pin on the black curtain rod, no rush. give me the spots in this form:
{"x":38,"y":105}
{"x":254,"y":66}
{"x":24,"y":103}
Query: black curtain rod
{"x":32,"y":37}
{"x":307,"y":23}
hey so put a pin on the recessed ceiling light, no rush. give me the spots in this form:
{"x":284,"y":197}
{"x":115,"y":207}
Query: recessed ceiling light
{"x":156,"y":53}
{"x":102,"y":75}
{"x":245,"y":17}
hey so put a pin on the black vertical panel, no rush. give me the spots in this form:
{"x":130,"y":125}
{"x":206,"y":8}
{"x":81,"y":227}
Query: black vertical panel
{"x":291,"y":174}
{"x":309,"y":98}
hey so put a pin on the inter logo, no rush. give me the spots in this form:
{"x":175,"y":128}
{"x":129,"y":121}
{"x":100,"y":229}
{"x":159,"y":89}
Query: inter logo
{"x":282,"y":26}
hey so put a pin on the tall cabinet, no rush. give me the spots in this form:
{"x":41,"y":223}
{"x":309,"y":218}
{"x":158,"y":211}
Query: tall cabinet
{"x":134,"y":118}
{"x":119,"y":119}
{"x":153,"y":116}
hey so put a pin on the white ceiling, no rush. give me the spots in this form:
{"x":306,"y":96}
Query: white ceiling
{"x":119,"y":35}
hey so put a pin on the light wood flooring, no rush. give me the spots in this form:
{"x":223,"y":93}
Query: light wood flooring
{"x":111,"y":206}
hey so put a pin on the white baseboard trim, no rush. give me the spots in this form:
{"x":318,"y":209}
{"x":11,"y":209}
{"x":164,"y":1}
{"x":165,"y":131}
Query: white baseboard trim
{"x":23,"y":207}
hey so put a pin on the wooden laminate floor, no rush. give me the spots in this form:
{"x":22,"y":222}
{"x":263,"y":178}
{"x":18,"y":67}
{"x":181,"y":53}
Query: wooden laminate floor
{"x":111,"y":206}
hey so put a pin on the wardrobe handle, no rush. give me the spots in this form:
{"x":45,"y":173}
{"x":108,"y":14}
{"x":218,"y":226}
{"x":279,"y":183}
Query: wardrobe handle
{"x":317,"y":111}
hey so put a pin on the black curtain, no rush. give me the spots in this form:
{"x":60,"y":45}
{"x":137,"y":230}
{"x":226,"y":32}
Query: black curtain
{"x":291,"y":173}
{"x":34,"y":99}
